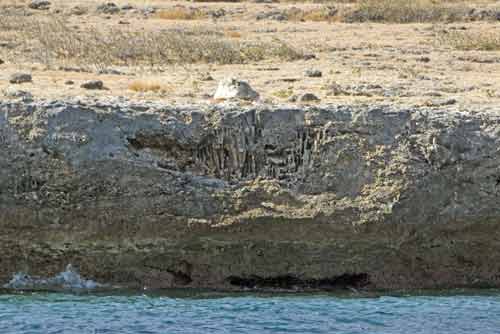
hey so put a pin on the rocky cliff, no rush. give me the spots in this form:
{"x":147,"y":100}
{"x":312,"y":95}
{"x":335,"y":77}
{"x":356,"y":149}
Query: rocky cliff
{"x":267,"y":197}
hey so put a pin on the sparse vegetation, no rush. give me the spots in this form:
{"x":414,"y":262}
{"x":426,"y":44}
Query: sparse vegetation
{"x":51,"y":40}
{"x":188,"y":47}
{"x":325,"y":13}
{"x":232,"y":34}
{"x":181,"y":13}
{"x":283,"y":93}
{"x":470,"y":41}
{"x":406,"y":11}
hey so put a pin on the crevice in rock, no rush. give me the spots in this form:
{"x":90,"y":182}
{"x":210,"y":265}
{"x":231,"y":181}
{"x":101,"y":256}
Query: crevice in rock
{"x":180,"y":278}
{"x":136,"y":144}
{"x":237,"y":154}
{"x":288,"y":282}
{"x":181,"y":272}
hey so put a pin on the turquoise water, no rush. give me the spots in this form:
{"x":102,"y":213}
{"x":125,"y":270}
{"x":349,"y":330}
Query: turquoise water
{"x":44,"y":313}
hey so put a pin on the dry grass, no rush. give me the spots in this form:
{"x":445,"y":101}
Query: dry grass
{"x":325,"y":13}
{"x":352,"y":56}
{"x":469,"y":41}
{"x":181,"y":13}
{"x":274,"y":49}
{"x":51,"y":40}
{"x":390,"y":11}
{"x":284,"y":93}
{"x":407,"y":11}
{"x":218,"y":1}
{"x":148,"y":86}
{"x":232,"y":34}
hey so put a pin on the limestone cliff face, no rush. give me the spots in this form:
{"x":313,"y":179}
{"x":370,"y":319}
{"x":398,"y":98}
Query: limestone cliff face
{"x":271,"y":197}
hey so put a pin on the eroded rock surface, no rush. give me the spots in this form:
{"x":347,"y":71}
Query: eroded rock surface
{"x":269,"y":197}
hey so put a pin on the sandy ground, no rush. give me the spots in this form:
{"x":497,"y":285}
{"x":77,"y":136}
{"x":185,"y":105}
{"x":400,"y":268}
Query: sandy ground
{"x":360,"y":63}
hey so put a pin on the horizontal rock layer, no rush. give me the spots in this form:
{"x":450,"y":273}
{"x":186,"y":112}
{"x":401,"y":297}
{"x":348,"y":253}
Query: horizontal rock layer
{"x":236,"y":198}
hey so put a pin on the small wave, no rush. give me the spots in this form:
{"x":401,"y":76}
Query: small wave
{"x":66,"y":280}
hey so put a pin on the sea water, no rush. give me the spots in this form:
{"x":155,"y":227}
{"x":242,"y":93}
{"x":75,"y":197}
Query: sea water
{"x":204,"y":312}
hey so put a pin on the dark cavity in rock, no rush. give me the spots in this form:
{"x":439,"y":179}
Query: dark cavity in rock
{"x":289,"y":282}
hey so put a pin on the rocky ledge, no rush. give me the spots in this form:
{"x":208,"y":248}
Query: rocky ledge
{"x":228,"y":197}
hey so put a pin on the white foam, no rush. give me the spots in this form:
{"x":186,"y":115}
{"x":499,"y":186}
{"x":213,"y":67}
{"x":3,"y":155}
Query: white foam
{"x":68,"y":279}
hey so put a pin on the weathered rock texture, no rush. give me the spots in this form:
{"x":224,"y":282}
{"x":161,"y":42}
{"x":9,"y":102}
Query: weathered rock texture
{"x":150,"y":195}
{"x":231,"y":88}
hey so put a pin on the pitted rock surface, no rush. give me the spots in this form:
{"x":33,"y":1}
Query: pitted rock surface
{"x":227,"y":197}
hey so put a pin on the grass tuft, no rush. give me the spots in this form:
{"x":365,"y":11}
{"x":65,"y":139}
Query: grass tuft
{"x":181,"y":13}
{"x":232,"y":34}
{"x":283,"y":93}
{"x":148,"y":86}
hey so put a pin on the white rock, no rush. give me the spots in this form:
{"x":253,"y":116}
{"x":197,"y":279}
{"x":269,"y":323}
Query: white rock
{"x":13,"y":92}
{"x":232,"y":88}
